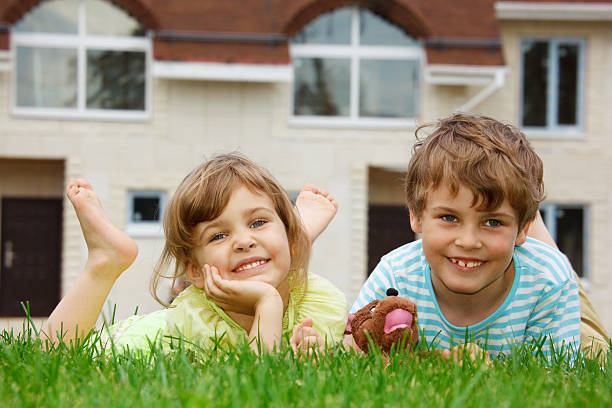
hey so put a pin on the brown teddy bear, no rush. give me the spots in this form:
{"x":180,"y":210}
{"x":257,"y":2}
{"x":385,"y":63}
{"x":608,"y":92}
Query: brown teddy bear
{"x":388,"y":321}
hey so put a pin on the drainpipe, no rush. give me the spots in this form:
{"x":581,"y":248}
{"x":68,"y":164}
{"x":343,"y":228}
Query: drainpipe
{"x":498,"y":81}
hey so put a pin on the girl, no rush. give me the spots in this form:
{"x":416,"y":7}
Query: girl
{"x":232,"y":230}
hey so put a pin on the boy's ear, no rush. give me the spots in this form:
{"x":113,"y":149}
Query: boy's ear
{"x":196,"y":276}
{"x":522,"y":233}
{"x":415,"y":222}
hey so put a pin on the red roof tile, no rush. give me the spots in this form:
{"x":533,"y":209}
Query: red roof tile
{"x":257,"y":31}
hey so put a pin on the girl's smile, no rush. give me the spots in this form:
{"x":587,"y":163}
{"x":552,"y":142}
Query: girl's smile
{"x":250,"y":264}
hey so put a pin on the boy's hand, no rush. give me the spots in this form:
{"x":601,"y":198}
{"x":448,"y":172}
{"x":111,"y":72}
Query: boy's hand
{"x":306,"y":338}
{"x":469,"y":350}
{"x":349,"y":343}
{"x":237,"y":296}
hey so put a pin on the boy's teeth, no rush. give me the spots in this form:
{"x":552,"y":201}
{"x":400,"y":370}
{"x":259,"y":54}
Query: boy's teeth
{"x":468,"y":264}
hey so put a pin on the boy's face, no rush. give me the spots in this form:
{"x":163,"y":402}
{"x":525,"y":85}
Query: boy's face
{"x":468,"y":250}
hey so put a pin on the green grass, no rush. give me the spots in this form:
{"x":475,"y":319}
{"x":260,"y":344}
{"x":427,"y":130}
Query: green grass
{"x":75,"y":376}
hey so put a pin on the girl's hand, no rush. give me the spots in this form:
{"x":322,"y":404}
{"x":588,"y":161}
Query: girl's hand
{"x":306,"y":338}
{"x":237,"y":296}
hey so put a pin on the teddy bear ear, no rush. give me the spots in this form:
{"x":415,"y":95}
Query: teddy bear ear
{"x":392,"y":292}
{"x":349,"y":327}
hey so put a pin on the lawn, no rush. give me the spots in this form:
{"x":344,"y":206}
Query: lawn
{"x":75,"y":377}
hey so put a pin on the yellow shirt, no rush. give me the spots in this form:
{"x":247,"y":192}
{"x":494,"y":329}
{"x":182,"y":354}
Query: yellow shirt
{"x":197,"y":319}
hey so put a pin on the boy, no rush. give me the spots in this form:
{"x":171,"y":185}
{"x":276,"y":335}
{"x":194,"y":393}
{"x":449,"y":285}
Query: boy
{"x":473,"y":188}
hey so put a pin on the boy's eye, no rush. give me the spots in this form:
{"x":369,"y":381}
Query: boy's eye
{"x":449,"y":218}
{"x":493,"y":223}
{"x":218,"y":236}
{"x":258,"y":223}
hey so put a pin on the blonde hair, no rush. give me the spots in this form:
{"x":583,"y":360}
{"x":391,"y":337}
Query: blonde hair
{"x":203,"y":195}
{"x":492,"y":159}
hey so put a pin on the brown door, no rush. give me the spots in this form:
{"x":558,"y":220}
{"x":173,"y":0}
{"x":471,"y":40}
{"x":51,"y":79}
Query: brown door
{"x":388,"y":228}
{"x":31,"y":252}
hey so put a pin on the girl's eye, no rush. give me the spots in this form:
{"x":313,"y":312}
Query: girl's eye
{"x":493,"y":223}
{"x":258,"y":223}
{"x":449,"y":218}
{"x":218,"y":236}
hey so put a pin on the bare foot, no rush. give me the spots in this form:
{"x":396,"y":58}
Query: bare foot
{"x":316,"y":208}
{"x":111,"y":251}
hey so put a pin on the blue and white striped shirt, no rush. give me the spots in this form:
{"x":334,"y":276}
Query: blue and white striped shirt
{"x":543,"y":300}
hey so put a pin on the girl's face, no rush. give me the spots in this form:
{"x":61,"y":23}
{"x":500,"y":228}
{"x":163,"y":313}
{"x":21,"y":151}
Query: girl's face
{"x":247,"y":241}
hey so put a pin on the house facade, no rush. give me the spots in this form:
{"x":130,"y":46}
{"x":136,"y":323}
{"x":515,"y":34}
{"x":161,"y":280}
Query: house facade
{"x":132,"y":94}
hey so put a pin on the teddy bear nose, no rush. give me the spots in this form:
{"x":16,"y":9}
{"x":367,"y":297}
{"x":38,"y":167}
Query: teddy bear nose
{"x":392,"y":292}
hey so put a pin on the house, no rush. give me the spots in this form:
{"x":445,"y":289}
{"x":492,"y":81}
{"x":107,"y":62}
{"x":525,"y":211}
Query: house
{"x":132,"y":94}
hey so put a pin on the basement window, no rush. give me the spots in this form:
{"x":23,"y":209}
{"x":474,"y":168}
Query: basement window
{"x":145,"y":210}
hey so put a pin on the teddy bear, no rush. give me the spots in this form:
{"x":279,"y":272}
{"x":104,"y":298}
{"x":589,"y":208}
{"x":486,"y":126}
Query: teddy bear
{"x":385,"y":322}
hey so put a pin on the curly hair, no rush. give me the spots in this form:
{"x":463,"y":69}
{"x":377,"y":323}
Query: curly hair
{"x":494,"y":160}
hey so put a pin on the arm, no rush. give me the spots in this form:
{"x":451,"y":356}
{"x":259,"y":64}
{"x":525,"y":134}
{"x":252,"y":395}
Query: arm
{"x":257,"y":299}
{"x":556,"y":315}
{"x":267,"y":324}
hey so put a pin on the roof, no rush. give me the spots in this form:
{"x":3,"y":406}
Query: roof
{"x":461,"y":32}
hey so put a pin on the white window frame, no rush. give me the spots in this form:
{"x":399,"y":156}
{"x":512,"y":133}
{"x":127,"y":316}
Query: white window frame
{"x":550,"y":220}
{"x":552,"y":127}
{"x":144,"y":228}
{"x":82,"y":42}
{"x":355,"y":52}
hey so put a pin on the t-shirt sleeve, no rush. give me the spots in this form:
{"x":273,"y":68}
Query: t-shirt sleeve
{"x":375,"y":286}
{"x":196,"y":319}
{"x":557,"y":316}
{"x":326,"y":305}
{"x":135,"y":332}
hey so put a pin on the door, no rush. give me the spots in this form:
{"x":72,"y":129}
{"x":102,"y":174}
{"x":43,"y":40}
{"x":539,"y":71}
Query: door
{"x":31,"y":243}
{"x":388,"y":228}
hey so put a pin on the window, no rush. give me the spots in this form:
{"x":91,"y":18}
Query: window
{"x":145,"y":209}
{"x":567,"y":225}
{"x":552,"y":71}
{"x":80,"y":58}
{"x":353,"y":67}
